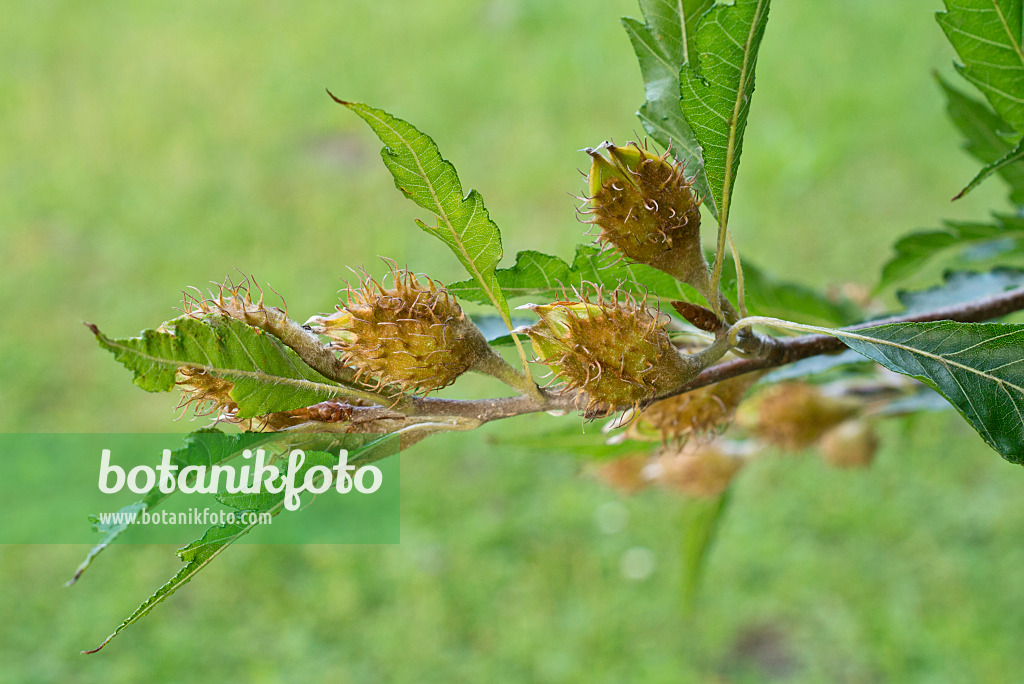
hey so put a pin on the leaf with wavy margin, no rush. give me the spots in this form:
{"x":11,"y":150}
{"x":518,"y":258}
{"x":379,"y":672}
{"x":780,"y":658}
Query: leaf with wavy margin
{"x":266,"y":375}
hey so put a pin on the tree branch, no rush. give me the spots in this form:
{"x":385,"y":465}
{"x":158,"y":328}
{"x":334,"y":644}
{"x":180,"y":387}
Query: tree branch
{"x":782,"y":352}
{"x":775,"y":352}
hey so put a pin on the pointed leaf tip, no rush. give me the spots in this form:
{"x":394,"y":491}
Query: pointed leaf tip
{"x":336,"y":98}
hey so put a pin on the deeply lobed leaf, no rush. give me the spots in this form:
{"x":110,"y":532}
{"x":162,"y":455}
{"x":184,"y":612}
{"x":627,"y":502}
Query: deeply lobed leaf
{"x":206,"y":447}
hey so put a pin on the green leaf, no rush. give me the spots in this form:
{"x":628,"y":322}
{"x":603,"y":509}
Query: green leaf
{"x":267,"y":375}
{"x":573,"y":440}
{"x":663,"y":43}
{"x":977,"y":367}
{"x":961,"y":287}
{"x":430,"y":180}
{"x":986,"y":139}
{"x":987,"y":35}
{"x":1010,"y":159}
{"x":985,"y":244}
{"x":766,"y":295}
{"x":701,"y":522}
{"x":542,"y":276}
{"x":716,"y":91}
{"x":922,"y":401}
{"x":206,"y":447}
{"x":198,"y":554}
{"x":817,"y":365}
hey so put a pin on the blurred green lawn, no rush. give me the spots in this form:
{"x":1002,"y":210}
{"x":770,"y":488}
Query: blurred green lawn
{"x":145,"y":147}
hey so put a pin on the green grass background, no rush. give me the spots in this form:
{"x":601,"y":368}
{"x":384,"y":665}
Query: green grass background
{"x":145,"y":147}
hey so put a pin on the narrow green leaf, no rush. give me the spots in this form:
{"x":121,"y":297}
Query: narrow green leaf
{"x":206,"y":447}
{"x":987,"y":35}
{"x":716,"y":91}
{"x":1010,"y":159}
{"x":961,"y":287}
{"x":977,"y":367}
{"x":817,"y":365}
{"x":984,"y":244}
{"x":542,"y":276}
{"x":267,"y":375}
{"x":198,"y":554}
{"x":985,"y":137}
{"x":769,"y":296}
{"x":430,"y":180}
{"x":701,"y":523}
{"x":663,"y":43}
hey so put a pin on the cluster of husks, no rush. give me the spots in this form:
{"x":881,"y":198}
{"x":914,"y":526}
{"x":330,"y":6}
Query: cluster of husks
{"x":647,"y":209}
{"x":413,"y":336}
{"x":798,"y":415}
{"x":789,"y":415}
{"x":612,"y":353}
{"x":795,"y":415}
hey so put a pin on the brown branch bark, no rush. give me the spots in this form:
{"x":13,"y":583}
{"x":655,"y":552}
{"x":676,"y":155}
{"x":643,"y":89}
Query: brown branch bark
{"x":775,"y":352}
{"x":782,"y":352}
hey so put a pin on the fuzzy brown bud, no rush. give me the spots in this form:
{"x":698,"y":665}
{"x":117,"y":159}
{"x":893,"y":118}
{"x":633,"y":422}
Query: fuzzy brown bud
{"x":413,"y":336}
{"x":647,"y":209}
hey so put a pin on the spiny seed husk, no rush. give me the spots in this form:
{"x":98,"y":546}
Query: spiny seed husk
{"x":697,"y":469}
{"x":647,"y":209}
{"x":205,"y":393}
{"x":624,"y":474}
{"x":613,"y":353}
{"x":413,"y":335}
{"x":700,"y":412}
{"x":851,"y":444}
{"x":794,"y":415}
